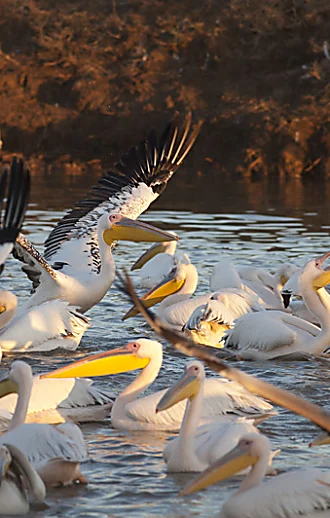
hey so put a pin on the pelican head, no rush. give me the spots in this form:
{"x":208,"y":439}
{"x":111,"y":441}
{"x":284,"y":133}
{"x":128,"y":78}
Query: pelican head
{"x":132,"y":356}
{"x":249,"y":450}
{"x":20,"y":375}
{"x":166,"y":247}
{"x":115,"y":227}
{"x":182,"y":278}
{"x":314,"y":271}
{"x":188,"y":386}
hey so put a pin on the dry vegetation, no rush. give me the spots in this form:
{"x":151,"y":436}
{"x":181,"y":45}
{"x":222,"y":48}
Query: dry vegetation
{"x":81,"y":80}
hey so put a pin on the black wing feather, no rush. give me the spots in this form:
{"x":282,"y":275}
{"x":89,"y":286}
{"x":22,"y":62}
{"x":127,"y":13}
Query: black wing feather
{"x":151,"y":162}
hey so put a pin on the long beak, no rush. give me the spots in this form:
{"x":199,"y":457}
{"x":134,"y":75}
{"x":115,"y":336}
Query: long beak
{"x":187,"y":387}
{"x":115,"y":361}
{"x":233,"y":462}
{"x":320,"y":439}
{"x":155,"y":249}
{"x":7,"y":387}
{"x":132,"y":230}
{"x":171,"y":284}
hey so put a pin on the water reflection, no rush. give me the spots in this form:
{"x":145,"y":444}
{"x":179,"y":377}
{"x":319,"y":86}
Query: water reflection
{"x":58,"y":189}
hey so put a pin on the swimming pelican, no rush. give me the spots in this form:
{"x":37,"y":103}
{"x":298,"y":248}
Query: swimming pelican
{"x":298,"y":307}
{"x":253,"y":280}
{"x":174,"y":293}
{"x":11,"y":219}
{"x":156,"y":263}
{"x":208,"y":322}
{"x":130,"y":413}
{"x":17,"y":473}
{"x":78,"y":265}
{"x":51,"y":325}
{"x":54,"y":451}
{"x":297,"y":493}
{"x":198,"y":447}
{"x":269,"y":334}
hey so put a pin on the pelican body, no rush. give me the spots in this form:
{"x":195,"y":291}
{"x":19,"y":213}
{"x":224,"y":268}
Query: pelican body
{"x":78,"y":265}
{"x":130,"y":413}
{"x":267,"y":335}
{"x":54,"y":451}
{"x":197,"y":447}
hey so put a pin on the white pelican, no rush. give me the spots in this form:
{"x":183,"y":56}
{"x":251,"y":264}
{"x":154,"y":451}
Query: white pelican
{"x":174,"y":293}
{"x":197,"y":447}
{"x":54,"y":451}
{"x":17,"y":200}
{"x":130,"y":413}
{"x":208,"y":322}
{"x":156,"y":263}
{"x":78,"y":265}
{"x":269,"y":334}
{"x":51,"y":325}
{"x":298,"y":307}
{"x":17,"y":473}
{"x":301,"y":493}
{"x":253,"y":280}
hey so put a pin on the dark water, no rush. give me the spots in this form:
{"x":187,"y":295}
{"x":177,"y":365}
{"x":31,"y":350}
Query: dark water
{"x":250,"y":223}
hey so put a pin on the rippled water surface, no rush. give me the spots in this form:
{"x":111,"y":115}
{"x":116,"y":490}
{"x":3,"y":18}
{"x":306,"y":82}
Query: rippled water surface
{"x":127,"y":476}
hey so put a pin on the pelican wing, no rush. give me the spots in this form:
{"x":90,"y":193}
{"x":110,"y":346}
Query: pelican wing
{"x":220,"y":398}
{"x":51,"y":394}
{"x":41,"y":327}
{"x":156,"y":269}
{"x":17,"y":201}
{"x":297,"y":493}
{"x":137,"y":180}
{"x":42,"y":442}
{"x":178,"y":314}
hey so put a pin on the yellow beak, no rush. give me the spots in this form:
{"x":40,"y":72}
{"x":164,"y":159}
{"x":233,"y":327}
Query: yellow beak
{"x":154,"y":250}
{"x":7,"y":387}
{"x":187,"y":387}
{"x":132,"y":230}
{"x":322,"y":280}
{"x":233,"y":462}
{"x":171,"y":284}
{"x":322,"y":438}
{"x":115,"y":361}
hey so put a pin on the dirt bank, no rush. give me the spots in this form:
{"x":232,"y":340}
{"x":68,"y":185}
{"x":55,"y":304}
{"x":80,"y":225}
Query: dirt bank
{"x":81,"y":81}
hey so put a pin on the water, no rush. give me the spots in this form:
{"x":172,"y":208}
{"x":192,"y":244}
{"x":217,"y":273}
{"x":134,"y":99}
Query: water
{"x":127,"y":476}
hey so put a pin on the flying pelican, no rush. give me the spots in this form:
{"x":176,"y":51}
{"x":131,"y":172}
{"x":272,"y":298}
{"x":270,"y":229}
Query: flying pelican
{"x":253,"y":280}
{"x":49,"y":326}
{"x":16,"y":473}
{"x":208,"y":322}
{"x":297,"y":493}
{"x":130,"y":413}
{"x":269,"y":334}
{"x":11,"y":219}
{"x":156,"y":263}
{"x":198,"y":447}
{"x":174,"y":293}
{"x":54,"y":451}
{"x":78,"y":265}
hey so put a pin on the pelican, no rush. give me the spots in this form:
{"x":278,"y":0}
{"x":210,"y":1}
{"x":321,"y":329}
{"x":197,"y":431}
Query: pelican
{"x":208,"y":322}
{"x":49,"y":326}
{"x":297,"y":493}
{"x":198,"y":447}
{"x":174,"y":293}
{"x":77,"y":264}
{"x":156,"y":263}
{"x":298,"y":307}
{"x":54,"y":451}
{"x":16,"y":473}
{"x":253,"y":280}
{"x":269,"y":334}
{"x":17,"y":200}
{"x":130,"y":413}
